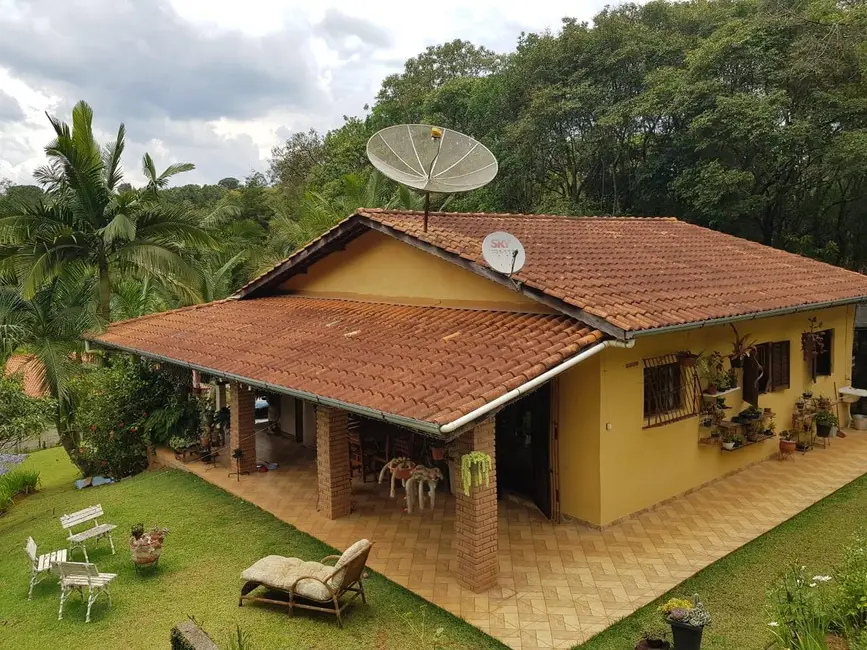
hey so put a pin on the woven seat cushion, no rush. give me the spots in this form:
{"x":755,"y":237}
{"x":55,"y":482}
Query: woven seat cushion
{"x":282,"y":572}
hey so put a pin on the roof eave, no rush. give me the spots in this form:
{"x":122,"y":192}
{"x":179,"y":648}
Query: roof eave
{"x":782,"y":311}
{"x":428,"y":428}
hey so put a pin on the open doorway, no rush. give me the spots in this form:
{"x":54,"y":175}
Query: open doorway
{"x":524,"y":434}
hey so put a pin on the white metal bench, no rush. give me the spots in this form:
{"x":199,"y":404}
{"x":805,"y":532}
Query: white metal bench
{"x":78,"y":576}
{"x":97,"y":531}
{"x":40,"y":565}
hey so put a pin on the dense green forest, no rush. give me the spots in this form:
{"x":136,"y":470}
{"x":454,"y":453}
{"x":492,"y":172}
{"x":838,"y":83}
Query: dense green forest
{"x":747,"y":116}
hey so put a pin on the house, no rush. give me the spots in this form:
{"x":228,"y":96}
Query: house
{"x":571,"y":374}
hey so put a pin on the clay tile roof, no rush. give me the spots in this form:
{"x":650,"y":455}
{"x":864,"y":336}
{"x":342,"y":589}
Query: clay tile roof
{"x":639,"y":273}
{"x":427,"y":364}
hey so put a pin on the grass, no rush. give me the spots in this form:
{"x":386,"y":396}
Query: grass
{"x":735,"y":588}
{"x":213,"y":536}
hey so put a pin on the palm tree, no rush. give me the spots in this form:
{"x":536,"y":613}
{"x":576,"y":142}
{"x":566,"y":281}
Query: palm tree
{"x":318,"y":212}
{"x":88,"y":221}
{"x":48,"y":328}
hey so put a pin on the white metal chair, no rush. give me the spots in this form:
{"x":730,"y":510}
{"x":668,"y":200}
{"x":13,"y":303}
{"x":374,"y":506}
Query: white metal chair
{"x":78,"y":576}
{"x":40,"y":565}
{"x":97,"y":531}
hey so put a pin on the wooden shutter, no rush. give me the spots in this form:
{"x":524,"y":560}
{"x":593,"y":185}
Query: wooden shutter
{"x":780,"y":364}
{"x":751,"y":380}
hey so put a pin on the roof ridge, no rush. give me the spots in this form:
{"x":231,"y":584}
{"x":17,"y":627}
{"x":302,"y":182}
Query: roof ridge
{"x":513,"y":215}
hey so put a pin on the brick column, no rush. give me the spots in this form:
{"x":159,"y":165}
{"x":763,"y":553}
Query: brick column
{"x":476,"y":516}
{"x":241,"y":425}
{"x":332,"y":461}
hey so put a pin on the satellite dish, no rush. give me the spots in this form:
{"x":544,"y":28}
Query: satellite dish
{"x":503,"y":252}
{"x":431,"y":159}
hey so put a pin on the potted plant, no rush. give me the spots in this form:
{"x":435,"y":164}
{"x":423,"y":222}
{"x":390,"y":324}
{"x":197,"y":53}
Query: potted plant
{"x":400,"y":468}
{"x":687,"y":620}
{"x":800,"y":404}
{"x":713,"y":373}
{"x":656,"y":635}
{"x":742,"y":348}
{"x":476,"y":468}
{"x":825,"y":421}
{"x":788,"y":444}
{"x":728,"y":439}
{"x":146,"y":547}
{"x":687,"y":359}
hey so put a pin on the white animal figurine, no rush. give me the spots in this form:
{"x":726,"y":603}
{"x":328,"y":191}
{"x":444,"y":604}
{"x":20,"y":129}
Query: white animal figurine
{"x":420,"y":477}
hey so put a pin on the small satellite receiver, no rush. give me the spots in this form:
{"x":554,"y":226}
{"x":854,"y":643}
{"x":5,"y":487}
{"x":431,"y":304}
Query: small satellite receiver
{"x":503,"y":252}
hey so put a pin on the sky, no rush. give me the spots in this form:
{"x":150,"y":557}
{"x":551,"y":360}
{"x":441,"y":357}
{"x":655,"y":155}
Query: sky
{"x":219,"y":83}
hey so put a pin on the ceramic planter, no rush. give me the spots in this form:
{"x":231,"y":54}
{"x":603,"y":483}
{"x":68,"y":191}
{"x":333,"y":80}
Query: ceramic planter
{"x":686,"y":637}
{"x":788,"y":446}
{"x":729,"y":445}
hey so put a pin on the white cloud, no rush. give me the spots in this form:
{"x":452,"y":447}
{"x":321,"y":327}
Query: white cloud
{"x":214,"y":81}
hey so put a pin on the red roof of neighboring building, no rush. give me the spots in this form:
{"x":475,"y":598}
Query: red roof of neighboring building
{"x":620,"y":274}
{"x":32,"y":373}
{"x":426,"y":364}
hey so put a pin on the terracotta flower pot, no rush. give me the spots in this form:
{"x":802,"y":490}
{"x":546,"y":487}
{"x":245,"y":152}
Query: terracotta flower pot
{"x":438,"y":453}
{"x":788,"y":446}
{"x":402,"y":473}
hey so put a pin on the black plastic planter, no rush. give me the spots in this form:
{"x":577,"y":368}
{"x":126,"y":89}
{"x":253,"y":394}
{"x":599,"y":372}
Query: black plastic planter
{"x":686,"y":637}
{"x":823,"y":430}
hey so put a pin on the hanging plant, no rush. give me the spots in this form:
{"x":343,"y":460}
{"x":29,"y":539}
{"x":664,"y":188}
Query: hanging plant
{"x":742,"y":348}
{"x":476,"y":468}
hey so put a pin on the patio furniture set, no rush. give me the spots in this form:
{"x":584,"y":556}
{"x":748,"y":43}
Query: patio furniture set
{"x":78,"y":577}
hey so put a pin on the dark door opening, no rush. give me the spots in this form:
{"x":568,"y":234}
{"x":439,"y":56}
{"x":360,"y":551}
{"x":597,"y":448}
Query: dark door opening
{"x":523,"y":447}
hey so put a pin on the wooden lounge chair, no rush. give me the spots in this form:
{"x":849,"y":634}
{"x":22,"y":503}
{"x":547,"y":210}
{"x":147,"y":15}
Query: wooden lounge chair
{"x":40,"y":565}
{"x":97,"y":531}
{"x":309,"y":585}
{"x":78,"y":576}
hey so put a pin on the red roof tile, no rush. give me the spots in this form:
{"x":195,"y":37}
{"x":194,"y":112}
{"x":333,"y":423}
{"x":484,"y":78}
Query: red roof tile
{"x":428,"y":364}
{"x":639,"y":273}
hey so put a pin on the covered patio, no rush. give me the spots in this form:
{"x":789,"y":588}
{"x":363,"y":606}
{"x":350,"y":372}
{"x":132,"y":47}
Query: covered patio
{"x":557,"y":585}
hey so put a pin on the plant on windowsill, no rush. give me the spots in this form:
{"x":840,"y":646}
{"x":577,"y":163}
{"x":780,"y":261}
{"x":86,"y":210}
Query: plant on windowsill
{"x":825,"y":422}
{"x":476,"y":468}
{"x":742,"y":347}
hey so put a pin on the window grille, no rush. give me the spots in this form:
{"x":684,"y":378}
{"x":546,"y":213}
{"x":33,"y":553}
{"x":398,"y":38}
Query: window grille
{"x":671,"y":390}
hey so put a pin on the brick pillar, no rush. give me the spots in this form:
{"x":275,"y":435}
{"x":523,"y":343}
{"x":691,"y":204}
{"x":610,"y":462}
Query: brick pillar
{"x":241,"y":425}
{"x":332,"y":461}
{"x":476,"y":517}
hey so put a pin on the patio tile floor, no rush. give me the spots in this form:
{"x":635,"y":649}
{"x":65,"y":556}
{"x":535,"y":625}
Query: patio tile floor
{"x":559,"y":584}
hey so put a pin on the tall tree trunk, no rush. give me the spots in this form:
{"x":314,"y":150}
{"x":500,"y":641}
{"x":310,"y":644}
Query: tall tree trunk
{"x":104,"y":290}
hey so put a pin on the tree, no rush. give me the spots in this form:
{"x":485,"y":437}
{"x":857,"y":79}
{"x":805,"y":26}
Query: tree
{"x":86,"y":224}
{"x":229,"y":183}
{"x":291,"y":164}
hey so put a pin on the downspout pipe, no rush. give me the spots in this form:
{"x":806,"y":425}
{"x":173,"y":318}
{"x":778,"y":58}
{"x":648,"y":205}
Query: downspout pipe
{"x":534,"y":383}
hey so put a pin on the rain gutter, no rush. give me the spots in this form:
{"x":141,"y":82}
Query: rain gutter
{"x":534,"y":383}
{"x":782,"y":311}
{"x":419,"y":425}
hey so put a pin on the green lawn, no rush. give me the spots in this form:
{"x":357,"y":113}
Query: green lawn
{"x":213,"y":536}
{"x":735,"y":588}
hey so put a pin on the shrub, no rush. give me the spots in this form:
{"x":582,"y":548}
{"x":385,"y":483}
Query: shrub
{"x":21,"y":416}
{"x":5,"y":499}
{"x":802,"y":610}
{"x":851,"y":579}
{"x":122,"y":407}
{"x":21,"y":481}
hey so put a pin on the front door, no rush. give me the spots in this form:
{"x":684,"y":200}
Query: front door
{"x":523,"y":448}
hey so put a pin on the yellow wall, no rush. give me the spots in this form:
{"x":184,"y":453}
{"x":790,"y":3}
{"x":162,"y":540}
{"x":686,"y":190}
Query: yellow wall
{"x":640,"y":467}
{"x":579,"y":422}
{"x":378,"y":267}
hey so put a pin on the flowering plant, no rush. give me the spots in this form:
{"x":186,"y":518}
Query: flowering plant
{"x":801,"y":610}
